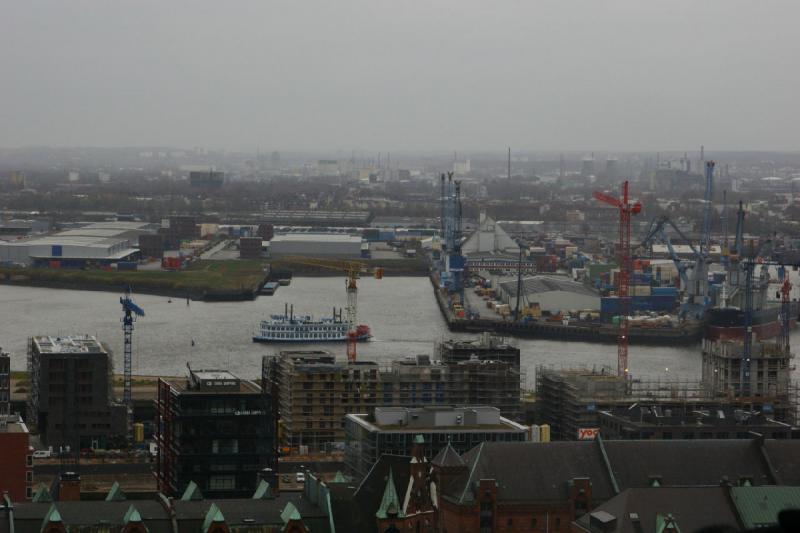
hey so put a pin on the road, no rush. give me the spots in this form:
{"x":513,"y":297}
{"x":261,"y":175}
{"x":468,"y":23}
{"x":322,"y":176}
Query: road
{"x":209,"y":255}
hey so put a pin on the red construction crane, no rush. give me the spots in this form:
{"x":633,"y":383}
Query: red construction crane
{"x":626,"y":209}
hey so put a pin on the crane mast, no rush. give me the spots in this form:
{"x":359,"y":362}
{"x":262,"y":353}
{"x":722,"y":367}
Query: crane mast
{"x":129,"y":313}
{"x":626,"y":210}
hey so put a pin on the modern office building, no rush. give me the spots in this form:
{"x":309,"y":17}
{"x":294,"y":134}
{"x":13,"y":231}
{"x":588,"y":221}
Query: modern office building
{"x":216,"y":430}
{"x":70,"y":400}
{"x":395,"y":430}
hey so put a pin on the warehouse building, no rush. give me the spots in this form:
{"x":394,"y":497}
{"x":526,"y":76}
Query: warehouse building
{"x":315,"y":244}
{"x":98,"y":242}
{"x":551,"y":293}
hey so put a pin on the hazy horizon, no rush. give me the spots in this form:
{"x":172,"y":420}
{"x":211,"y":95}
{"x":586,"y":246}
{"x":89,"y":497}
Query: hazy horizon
{"x":620,"y":75}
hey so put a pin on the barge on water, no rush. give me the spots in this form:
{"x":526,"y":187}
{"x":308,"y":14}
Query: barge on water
{"x":686,"y":333}
{"x":270,"y":287}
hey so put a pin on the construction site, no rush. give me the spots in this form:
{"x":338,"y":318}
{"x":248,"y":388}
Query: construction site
{"x":314,"y":391}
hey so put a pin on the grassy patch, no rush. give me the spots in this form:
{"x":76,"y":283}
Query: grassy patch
{"x":200,"y":277}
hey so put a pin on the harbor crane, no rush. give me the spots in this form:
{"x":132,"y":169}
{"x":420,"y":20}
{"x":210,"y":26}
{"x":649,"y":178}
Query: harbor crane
{"x":130,"y":311}
{"x":354,"y":270}
{"x":626,"y":210}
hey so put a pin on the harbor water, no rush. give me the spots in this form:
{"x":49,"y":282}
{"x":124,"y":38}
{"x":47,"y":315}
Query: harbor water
{"x":402,"y":313}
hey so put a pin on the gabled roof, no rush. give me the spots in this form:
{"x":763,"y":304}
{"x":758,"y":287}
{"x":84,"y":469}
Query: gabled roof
{"x":213,"y":516}
{"x":192,"y":492}
{"x":686,"y":462}
{"x":263,"y":490}
{"x":514,"y":464}
{"x":290,"y":512}
{"x":390,"y":503}
{"x":115,"y":494}
{"x":52,"y":516}
{"x":132,"y":515}
{"x":448,"y":457}
{"x":655,"y":509}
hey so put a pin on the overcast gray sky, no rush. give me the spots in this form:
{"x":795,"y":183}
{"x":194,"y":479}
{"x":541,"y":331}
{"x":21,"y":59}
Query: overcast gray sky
{"x":391,"y":75}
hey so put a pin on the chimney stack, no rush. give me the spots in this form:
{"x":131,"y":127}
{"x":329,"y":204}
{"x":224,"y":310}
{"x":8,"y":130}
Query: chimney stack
{"x":69,"y":487}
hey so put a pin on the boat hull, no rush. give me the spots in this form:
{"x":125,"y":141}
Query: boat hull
{"x":258,"y":338}
{"x":728,"y":324}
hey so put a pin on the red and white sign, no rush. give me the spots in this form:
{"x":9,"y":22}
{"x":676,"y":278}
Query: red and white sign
{"x":587,"y":433}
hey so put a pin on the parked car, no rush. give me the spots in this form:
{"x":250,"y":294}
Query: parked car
{"x":42,"y":454}
{"x":300,"y":477}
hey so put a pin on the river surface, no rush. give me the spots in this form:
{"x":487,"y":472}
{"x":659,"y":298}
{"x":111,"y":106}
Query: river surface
{"x":402,"y":313}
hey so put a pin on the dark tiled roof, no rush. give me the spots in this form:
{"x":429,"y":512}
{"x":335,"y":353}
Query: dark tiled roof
{"x":691,"y":508}
{"x":190,"y":514}
{"x":448,"y":457}
{"x":28,"y":516}
{"x":784,"y":455}
{"x":529,"y":471}
{"x":684,"y":463}
{"x":368,"y":495}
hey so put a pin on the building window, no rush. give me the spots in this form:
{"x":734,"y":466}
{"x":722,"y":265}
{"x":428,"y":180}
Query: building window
{"x":29,"y":476}
{"x":510,"y":523}
{"x":558,"y":522}
{"x":533,"y":523}
{"x":28,"y":492}
{"x":28,"y":460}
{"x":224,"y":446}
{"x":222,"y":482}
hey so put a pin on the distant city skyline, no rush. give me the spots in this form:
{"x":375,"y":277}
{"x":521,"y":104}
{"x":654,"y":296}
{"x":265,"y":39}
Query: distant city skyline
{"x":319,"y":76}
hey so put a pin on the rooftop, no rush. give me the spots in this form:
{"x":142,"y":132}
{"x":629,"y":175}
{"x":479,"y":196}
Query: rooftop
{"x":404,"y":419}
{"x":316,"y":237}
{"x":12,"y":424}
{"x":68,"y":344}
{"x":213,"y":381}
{"x":539,"y":284}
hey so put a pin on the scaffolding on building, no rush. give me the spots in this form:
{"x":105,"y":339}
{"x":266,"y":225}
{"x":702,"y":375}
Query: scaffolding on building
{"x":569,"y":399}
{"x":315,"y":392}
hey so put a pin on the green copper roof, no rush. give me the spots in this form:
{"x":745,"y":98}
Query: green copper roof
{"x":339,"y":477}
{"x":192,"y":492}
{"x":759,"y":506}
{"x":290,"y":512}
{"x":115,"y":494}
{"x":666,"y":524}
{"x":390,"y":503}
{"x":52,"y":516}
{"x":41,"y":494}
{"x":132,"y":515}
{"x":262,"y":491}
{"x":213,"y":516}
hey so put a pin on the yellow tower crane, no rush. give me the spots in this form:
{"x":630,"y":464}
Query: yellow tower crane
{"x":354,"y":270}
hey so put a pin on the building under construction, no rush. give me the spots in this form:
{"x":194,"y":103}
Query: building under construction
{"x":770,"y":386}
{"x":315,"y":391}
{"x":487,"y":347}
{"x":70,"y":400}
{"x":571,"y":400}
